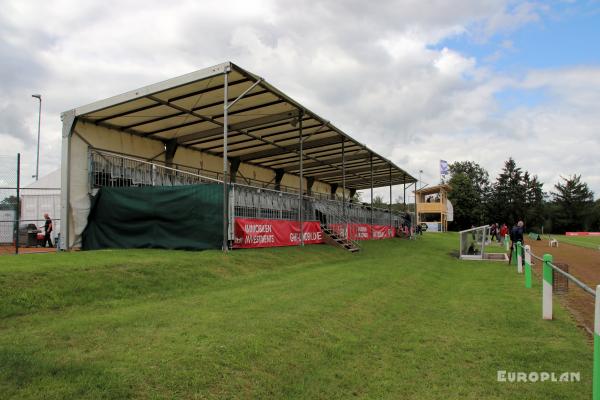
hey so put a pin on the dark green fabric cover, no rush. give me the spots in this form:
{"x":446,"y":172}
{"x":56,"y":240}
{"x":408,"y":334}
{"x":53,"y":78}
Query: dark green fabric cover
{"x":167,"y":217}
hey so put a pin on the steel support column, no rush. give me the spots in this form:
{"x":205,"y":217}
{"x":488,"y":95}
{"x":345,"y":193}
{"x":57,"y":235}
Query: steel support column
{"x":416,"y":211}
{"x":300,"y":194}
{"x":371,"y":190}
{"x":344,"y":175}
{"x":225,"y":164}
{"x":390,"y":196}
{"x":404,"y":195}
{"x":68,"y":121}
{"x":344,"y":184}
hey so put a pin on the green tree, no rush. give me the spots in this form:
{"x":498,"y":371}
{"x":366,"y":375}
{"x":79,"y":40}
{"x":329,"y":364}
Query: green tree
{"x":470,"y":191}
{"x":510,"y":194}
{"x":378,"y":202}
{"x":8,"y":203}
{"x":534,"y":202}
{"x":465,"y":200}
{"x":574,"y":204}
{"x":595,"y":219}
{"x":478,"y":175}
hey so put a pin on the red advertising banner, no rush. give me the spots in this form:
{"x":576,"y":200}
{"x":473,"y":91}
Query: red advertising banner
{"x":382,"y":232}
{"x":582,"y":233}
{"x":252,"y":233}
{"x":364,"y":231}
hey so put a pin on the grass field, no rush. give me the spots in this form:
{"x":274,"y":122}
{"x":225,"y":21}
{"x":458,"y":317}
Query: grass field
{"x":401,"y":320}
{"x":592,"y":242}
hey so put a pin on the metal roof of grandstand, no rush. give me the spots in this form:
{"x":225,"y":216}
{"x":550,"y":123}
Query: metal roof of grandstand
{"x":263,"y":126}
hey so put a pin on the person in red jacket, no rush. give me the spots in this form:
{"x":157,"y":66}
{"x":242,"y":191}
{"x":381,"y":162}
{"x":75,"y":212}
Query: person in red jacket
{"x":503,"y":233}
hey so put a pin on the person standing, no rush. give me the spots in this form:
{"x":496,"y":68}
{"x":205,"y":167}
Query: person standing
{"x":516,"y":235}
{"x":494,"y":232}
{"x":47,"y":231}
{"x":503,"y":233}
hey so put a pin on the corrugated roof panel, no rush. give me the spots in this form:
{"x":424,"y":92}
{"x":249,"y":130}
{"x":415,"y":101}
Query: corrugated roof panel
{"x":263,"y":124}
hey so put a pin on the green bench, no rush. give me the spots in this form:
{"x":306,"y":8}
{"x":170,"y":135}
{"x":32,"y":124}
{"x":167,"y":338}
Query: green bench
{"x":535,"y":236}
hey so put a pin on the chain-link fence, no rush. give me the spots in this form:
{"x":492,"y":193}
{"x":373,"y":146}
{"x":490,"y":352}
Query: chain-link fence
{"x":28,"y":213}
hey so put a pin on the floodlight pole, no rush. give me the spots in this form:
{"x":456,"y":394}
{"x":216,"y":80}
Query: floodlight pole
{"x":300,"y":195}
{"x":225,"y":163}
{"x":37,"y":159}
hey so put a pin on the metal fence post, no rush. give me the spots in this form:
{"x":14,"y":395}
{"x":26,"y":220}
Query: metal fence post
{"x":596,"y":367}
{"x":519,"y":257}
{"x":528,"y":266}
{"x":513,"y":254}
{"x":547,"y":287}
{"x":17,"y":211}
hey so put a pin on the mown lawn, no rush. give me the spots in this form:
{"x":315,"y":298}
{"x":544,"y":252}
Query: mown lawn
{"x":401,"y":320}
{"x":592,"y":242}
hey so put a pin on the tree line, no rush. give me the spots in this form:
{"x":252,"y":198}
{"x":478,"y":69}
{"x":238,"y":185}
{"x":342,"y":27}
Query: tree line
{"x":518,"y":195}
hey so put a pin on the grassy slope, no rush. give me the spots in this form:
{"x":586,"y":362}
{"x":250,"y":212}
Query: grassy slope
{"x":592,"y":242}
{"x":400,"y":320}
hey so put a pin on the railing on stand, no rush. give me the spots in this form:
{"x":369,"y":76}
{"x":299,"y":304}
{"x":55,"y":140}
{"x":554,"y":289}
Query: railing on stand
{"x":250,"y":199}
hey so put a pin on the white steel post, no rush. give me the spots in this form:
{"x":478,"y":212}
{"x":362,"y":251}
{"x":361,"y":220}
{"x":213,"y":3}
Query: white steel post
{"x":596,"y":367}
{"x":344,"y":185}
{"x":225,"y":163}
{"x":547,"y":288}
{"x":371,"y":228}
{"x":301,"y":195}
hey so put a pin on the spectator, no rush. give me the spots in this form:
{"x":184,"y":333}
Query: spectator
{"x":494,"y":232}
{"x":503,"y":232}
{"x":516,"y":235}
{"x":47,"y":231}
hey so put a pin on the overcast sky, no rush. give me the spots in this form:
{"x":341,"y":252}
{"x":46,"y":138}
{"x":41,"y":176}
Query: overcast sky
{"x":418,"y":81}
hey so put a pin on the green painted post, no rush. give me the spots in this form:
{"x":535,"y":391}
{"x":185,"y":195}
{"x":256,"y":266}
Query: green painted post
{"x":547,"y":288}
{"x":519,"y":257}
{"x":596,"y":368}
{"x":528,"y":266}
{"x":506,"y":242}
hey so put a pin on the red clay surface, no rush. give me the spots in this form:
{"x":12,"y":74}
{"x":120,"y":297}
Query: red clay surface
{"x":584,"y":264}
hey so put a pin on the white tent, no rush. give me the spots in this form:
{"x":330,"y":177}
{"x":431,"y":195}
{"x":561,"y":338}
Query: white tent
{"x":42,"y":196}
{"x":222,"y":123}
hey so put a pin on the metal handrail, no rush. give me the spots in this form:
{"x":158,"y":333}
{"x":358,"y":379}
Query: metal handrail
{"x":141,"y":161}
{"x":344,"y":220}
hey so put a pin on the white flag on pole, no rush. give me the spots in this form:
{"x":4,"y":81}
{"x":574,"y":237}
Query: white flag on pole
{"x":444,"y":169}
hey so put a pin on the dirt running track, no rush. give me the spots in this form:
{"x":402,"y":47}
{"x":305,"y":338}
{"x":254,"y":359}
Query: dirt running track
{"x":584,"y":263}
{"x":10,"y":250}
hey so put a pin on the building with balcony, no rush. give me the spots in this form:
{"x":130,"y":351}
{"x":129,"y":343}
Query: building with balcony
{"x":434,"y":208}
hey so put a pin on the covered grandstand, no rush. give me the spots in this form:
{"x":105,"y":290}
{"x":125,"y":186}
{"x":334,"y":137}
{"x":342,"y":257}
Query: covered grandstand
{"x":290,"y":176}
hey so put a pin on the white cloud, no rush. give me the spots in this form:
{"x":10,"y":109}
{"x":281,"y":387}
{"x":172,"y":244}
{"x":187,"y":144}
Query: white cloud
{"x":369,"y":67}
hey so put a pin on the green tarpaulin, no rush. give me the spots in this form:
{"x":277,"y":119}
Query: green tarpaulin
{"x":168,"y":217}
